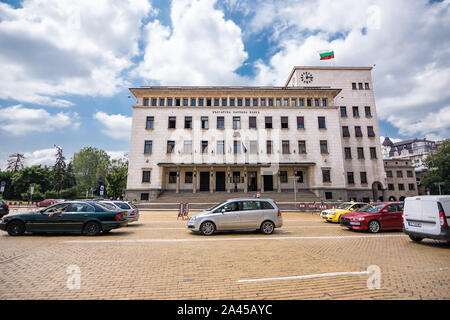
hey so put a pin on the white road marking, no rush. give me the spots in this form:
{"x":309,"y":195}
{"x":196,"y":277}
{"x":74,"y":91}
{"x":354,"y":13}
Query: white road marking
{"x":203,"y":239}
{"x":308,"y":276}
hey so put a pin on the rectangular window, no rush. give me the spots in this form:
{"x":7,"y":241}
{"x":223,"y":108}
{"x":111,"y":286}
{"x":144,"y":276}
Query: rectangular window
{"x":188,"y":122}
{"x":363,"y":177}
{"x":145,"y":102}
{"x":360,"y":151}
{"x":283,"y":177}
{"x":269,"y":145}
{"x":399,"y":174}
{"x":169,"y":102}
{"x":200,"y":102}
{"x":389,"y":174}
{"x":263,"y":102}
{"x":301,"y":146}
{"x":204,"y":147}
{"x":354,"y":85}
{"x":252,"y":122}
{"x":154,"y":102}
{"x":220,"y":122}
{"x":236,"y":146}
{"x":146,"y":176}
{"x":172,"y":177}
{"x":360,"y":86}
{"x":326,"y":176}
{"x":300,"y":122}
{"x":350,"y":178}
{"x":373,"y":153}
{"x":149,"y":123}
{"x":148,"y":146}
{"x":255,"y":102}
{"x":177,"y":102}
{"x":172,"y":122}
{"x":411,"y":187}
{"x":193,"y":102}
{"x":285,"y":147}
{"x":323,"y":146}
{"x":236,"y":177}
{"x":216,"y":102}
{"x":208,"y":102}
{"x":401,"y":186}
{"x":348,"y":153}
{"x":254,"y":146}
{"x":236,"y":122}
{"x":247,"y":102}
{"x":367,"y":111}
{"x":268,"y":122}
{"x":144,"y":197}
{"x":187,"y":147}
{"x":358,"y":132}
{"x":286,"y":102}
{"x":316,"y":102}
{"x":355,"y":111}
{"x":308,"y":102}
{"x":170,"y":146}
{"x":345,"y":131}
{"x":161,"y":102}
{"x":205,"y":123}
{"x":321,"y":121}
{"x":185,"y":102}
{"x":278,"y":102}
{"x":220,"y":147}
{"x":409,"y":174}
{"x":270,"y":102}
{"x":299,"y":176}
{"x":391,"y":186}
{"x":231,"y":102}
{"x":224,"y":102}
{"x":370,"y":132}
{"x":366,"y":85}
{"x":301,"y":102}
{"x":293,"y":102}
{"x":324,"y":102}
{"x":343,"y":111}
{"x":239,"y":102}
{"x":188,"y":177}
{"x":284,"y":122}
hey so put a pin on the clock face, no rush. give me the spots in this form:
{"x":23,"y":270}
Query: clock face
{"x":306,"y":77}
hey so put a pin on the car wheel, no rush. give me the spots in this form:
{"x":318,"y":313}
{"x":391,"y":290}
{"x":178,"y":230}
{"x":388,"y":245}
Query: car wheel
{"x":92,"y":229}
{"x":267,"y":227}
{"x":207,"y":228}
{"x":415,"y":239}
{"x":374,"y":226}
{"x":15,"y":228}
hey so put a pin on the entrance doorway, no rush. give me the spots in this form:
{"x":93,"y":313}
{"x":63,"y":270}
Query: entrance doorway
{"x":220,"y":181}
{"x":252,"y":181}
{"x":268,"y":182}
{"x":204,"y":181}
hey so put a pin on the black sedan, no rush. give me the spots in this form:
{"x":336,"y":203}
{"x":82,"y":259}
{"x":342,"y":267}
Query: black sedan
{"x":84,"y":217}
{"x":4,"y":209}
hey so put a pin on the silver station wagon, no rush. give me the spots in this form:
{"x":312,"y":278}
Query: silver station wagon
{"x":238,"y":214}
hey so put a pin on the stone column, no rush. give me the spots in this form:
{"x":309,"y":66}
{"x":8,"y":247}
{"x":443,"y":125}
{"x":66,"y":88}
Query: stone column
{"x":228,"y":180}
{"x":194,"y":180}
{"x":211,"y":180}
{"x":245,"y":180}
{"x":178,"y":180}
{"x":262,"y":182}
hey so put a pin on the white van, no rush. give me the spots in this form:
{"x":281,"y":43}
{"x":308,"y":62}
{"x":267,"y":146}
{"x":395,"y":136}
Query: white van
{"x":427,"y":217}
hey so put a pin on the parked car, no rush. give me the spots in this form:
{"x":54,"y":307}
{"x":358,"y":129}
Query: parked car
{"x":375,"y":217}
{"x":49,"y":202}
{"x":238,"y":214}
{"x":427,"y":217}
{"x":334,"y":215}
{"x":133,"y":211}
{"x":4,"y":208}
{"x":71,"y":216}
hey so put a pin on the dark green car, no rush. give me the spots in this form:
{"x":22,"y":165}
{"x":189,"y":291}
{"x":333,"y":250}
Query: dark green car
{"x":84,"y":217}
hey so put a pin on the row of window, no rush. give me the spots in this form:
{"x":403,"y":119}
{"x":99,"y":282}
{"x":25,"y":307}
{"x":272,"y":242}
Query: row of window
{"x":360,"y":86}
{"x":362,"y":177}
{"x":409,"y":174}
{"x":252,"y":148}
{"x":220,"y":124}
{"x":234,"y":102}
{"x":355,"y":111}
{"x":401,"y":187}
{"x":358,"y":131}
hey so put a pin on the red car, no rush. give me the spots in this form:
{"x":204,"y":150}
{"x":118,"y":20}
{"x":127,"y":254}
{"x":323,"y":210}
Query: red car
{"x":47,"y":202}
{"x":375,"y":217}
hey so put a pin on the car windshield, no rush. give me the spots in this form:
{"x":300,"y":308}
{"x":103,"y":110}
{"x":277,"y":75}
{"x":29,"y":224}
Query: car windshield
{"x":122,"y":205}
{"x":343,"y":206}
{"x":216,"y":206}
{"x":108,"y":206}
{"x":371,"y":208}
{"x":100,"y":208}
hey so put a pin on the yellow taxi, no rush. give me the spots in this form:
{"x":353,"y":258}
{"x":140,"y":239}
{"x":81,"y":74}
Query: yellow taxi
{"x":334,"y":215}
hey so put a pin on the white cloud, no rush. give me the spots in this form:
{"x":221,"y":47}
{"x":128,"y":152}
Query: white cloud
{"x":118,"y":155}
{"x":201,"y":48}
{"x":18,"y":120}
{"x":407,"y":40}
{"x":43,"y":157}
{"x":116,"y":126}
{"x":54,"y":48}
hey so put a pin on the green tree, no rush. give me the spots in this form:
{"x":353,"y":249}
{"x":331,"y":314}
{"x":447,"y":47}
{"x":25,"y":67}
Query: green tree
{"x":89,"y":165}
{"x":59,"y":169}
{"x":116,"y":179}
{"x":439,"y":170}
{"x":15,"y":162}
{"x":40,"y":176}
{"x":9,"y":189}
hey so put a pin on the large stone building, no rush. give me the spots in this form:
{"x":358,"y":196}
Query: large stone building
{"x":400,"y":179}
{"x":319,"y":132}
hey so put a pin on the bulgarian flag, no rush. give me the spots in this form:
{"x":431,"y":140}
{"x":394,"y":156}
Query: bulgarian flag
{"x":326,"y":55}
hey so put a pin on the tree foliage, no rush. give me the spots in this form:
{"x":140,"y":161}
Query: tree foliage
{"x":15,"y":162}
{"x":439,"y":170}
{"x":89,"y":165}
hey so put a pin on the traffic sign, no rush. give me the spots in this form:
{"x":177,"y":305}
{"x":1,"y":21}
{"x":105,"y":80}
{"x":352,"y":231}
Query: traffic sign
{"x":3,"y":183}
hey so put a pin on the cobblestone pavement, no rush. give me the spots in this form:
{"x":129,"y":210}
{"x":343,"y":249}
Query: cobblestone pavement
{"x":158,"y":258}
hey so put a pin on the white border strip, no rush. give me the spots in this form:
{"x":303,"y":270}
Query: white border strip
{"x":308,"y":276}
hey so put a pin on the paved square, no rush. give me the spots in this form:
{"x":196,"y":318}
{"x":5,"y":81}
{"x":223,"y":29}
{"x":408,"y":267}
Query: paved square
{"x":158,"y":258}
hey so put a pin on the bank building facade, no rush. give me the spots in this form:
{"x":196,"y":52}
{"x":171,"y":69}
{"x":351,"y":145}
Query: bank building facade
{"x":318,"y":133}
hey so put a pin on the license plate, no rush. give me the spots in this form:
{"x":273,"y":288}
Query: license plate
{"x":415,"y":224}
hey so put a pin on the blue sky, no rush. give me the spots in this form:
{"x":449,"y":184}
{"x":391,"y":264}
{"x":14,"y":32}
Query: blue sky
{"x":66,"y":67}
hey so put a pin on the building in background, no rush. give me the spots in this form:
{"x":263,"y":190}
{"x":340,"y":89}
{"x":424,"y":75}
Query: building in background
{"x":400,"y":179}
{"x":415,"y":150}
{"x":317,"y":133}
